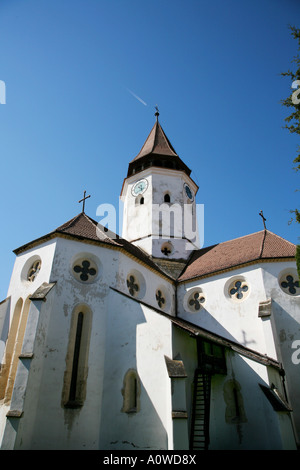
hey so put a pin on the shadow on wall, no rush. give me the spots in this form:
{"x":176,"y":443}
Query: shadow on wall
{"x":287,"y":329}
{"x":129,"y":419}
{"x":204,"y":319}
{"x":241,"y":416}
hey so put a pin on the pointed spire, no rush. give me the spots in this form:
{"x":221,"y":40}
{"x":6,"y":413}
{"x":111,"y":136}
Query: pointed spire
{"x":157,"y":151}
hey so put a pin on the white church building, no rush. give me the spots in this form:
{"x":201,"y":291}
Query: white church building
{"x":148,"y":341}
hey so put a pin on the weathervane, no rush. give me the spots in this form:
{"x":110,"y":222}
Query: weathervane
{"x":263,"y":218}
{"x":83,"y":200}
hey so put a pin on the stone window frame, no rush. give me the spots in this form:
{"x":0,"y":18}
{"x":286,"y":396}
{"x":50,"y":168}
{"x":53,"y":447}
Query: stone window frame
{"x":75,"y":376}
{"x":131,"y":392}
{"x":13,"y":348}
{"x":283,"y":278}
{"x":231,"y":285}
{"x":192,"y":295}
{"x":94,"y":264}
{"x":31,"y":269}
{"x":135,"y":284}
{"x":160,"y":293}
{"x":167,"y":246}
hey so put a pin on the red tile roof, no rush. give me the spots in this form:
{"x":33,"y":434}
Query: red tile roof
{"x":84,"y":228}
{"x":259,"y":246}
{"x":157,"y":142}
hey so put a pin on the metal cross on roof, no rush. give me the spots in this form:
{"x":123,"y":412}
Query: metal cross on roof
{"x":157,"y":112}
{"x":83,"y":200}
{"x":263,"y":218}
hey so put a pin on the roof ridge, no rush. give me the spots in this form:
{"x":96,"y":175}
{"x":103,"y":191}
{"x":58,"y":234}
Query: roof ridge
{"x":147,"y":141}
{"x":263,"y":243}
{"x":279,"y":236}
{"x":165,"y":138}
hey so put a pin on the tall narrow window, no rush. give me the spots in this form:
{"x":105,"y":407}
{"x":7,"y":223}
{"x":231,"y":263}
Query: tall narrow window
{"x":74,"y":376}
{"x":74,"y":389}
{"x":167,"y":198}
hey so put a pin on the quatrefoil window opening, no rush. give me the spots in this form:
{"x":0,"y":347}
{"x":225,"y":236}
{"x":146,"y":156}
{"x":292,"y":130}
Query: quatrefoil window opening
{"x":195,"y":301}
{"x":85,"y":269}
{"x":290,"y":285}
{"x":239,"y":290}
{"x":132,"y":285}
{"x":160,"y":299}
{"x":34,"y":270}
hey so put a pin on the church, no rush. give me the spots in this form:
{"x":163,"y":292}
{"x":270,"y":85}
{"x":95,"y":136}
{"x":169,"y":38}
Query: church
{"x":148,"y":341}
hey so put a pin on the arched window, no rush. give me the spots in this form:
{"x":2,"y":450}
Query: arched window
{"x":9,"y":349}
{"x":167,"y":197}
{"x":13,"y":349}
{"x":139,"y":200}
{"x":74,"y":389}
{"x":131,"y":392}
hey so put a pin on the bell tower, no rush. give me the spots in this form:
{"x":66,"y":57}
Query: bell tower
{"x":159,"y":212}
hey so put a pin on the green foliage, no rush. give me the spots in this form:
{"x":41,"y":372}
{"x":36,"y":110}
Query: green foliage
{"x":293,"y":120}
{"x":298,"y":259}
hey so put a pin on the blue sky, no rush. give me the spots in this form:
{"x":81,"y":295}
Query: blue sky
{"x":71,"y":121}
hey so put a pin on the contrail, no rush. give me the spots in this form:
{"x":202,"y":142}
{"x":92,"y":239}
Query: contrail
{"x":137,"y":97}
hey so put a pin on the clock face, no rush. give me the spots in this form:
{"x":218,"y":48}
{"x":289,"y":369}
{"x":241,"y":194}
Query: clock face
{"x":139,"y":187}
{"x":188,"y":192}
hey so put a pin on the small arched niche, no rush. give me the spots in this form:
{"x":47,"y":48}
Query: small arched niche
{"x":167,"y":197}
{"x":131,"y":392}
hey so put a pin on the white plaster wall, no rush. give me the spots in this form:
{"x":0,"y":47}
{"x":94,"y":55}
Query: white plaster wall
{"x":117,"y":341}
{"x":262,"y":429}
{"x":137,"y":338}
{"x":54,"y":426}
{"x":185,"y":347}
{"x":237,"y":321}
{"x":149,"y":282}
{"x":143,"y":221}
{"x":137,"y":220}
{"x":19,"y":286}
{"x":286,"y":327}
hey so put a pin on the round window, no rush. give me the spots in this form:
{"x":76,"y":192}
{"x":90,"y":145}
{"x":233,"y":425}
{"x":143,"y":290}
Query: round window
{"x":34,"y":270}
{"x":194,"y":300}
{"x":238,"y":290}
{"x":136,"y":284}
{"x":132,"y":285}
{"x":289,"y":282}
{"x":85,"y":270}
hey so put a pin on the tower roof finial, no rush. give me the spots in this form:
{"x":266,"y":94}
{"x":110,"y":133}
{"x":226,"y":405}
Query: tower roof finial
{"x":156,"y":113}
